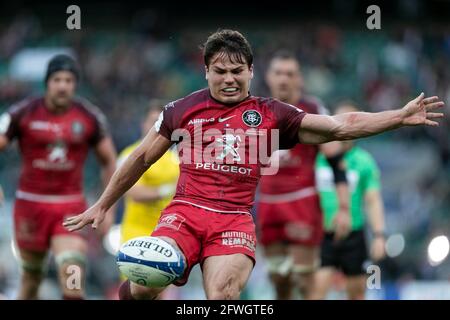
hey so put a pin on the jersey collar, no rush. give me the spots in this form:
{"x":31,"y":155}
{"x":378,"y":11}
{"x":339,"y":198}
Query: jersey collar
{"x":215,"y":102}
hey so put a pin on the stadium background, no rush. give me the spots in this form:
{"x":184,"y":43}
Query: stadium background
{"x":131,"y":52}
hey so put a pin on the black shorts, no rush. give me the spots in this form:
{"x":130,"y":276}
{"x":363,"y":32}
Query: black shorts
{"x":347,"y":255}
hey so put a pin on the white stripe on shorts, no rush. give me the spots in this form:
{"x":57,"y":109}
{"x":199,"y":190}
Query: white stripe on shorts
{"x":210,"y":209}
{"x":287,"y":197}
{"x":48,"y":198}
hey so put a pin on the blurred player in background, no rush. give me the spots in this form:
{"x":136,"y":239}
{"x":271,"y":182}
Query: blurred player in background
{"x":209,"y":219}
{"x":153,"y":191}
{"x":349,"y":254}
{"x":54,"y":133}
{"x":289,"y":214}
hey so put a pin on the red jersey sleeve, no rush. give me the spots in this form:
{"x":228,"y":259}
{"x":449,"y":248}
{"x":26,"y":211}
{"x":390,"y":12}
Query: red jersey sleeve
{"x":289,"y":119}
{"x":172,"y":117}
{"x":99,"y":119}
{"x":167,"y":121}
{"x":10,"y":120}
{"x":101,"y":128}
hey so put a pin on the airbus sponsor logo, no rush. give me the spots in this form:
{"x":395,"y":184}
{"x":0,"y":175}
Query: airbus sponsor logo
{"x":44,"y":125}
{"x":201,"y":120}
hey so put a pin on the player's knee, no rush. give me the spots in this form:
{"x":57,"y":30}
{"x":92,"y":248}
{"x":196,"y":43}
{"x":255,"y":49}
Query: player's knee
{"x":226,"y":288}
{"x":279,"y":265}
{"x":224,"y":294}
{"x":69,"y":258}
{"x":31,"y":278}
{"x":305,"y":271}
{"x":32,"y":271}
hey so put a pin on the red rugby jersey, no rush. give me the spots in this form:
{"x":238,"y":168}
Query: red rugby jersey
{"x":53,"y":146}
{"x":218,"y":168}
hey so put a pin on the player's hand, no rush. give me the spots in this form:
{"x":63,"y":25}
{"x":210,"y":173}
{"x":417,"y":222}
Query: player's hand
{"x":420,"y":111}
{"x":107,"y":223}
{"x":377,"y":250}
{"x":341,"y":224}
{"x":94,"y":215}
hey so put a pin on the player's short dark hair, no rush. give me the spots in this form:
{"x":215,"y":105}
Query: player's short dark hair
{"x":229,"y":42}
{"x":62,"y":62}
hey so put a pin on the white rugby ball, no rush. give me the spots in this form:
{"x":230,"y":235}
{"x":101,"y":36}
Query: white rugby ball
{"x":150,"y":261}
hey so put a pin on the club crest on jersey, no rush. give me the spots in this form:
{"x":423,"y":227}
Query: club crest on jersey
{"x":171,"y":220}
{"x":252,"y":118}
{"x":77,"y":128}
{"x":230,"y":144}
{"x":58,"y":152}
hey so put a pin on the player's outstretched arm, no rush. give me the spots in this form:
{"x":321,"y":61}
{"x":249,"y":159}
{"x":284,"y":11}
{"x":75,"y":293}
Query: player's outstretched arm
{"x":107,"y":157}
{"x":316,"y":129}
{"x":148,"y":152}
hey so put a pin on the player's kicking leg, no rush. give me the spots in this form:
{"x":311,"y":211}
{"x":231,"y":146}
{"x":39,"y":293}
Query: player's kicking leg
{"x":225,"y":276}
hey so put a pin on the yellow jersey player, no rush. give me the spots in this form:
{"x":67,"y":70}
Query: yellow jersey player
{"x":153,"y":191}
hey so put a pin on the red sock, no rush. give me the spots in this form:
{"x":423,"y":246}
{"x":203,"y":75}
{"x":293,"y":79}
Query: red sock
{"x":125,"y":291}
